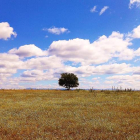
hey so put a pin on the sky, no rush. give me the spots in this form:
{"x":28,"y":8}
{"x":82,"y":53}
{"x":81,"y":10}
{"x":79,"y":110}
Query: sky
{"x":97,"y":40}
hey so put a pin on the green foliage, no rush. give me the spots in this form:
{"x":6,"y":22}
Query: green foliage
{"x":68,"y":80}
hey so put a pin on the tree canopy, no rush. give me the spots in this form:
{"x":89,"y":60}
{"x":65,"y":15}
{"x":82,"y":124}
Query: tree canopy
{"x":68,"y":80}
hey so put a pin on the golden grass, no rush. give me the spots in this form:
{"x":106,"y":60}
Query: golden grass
{"x":69,"y":115}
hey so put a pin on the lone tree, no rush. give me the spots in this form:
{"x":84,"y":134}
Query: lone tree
{"x":68,"y":80}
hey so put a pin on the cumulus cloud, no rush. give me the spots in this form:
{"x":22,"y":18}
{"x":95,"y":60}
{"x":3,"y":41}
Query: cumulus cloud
{"x":8,"y":57}
{"x":137,"y":53}
{"x":136,"y":71}
{"x":84,"y":71}
{"x":28,"y":51}
{"x":103,"y":10}
{"x":93,"y":9}
{"x":10,"y":61}
{"x":136,"y":32}
{"x":134,"y":2}
{"x":9,"y":64}
{"x":128,"y":78}
{"x":104,"y":69}
{"x":131,"y":81}
{"x":6,"y":31}
{"x":96,"y":78}
{"x":109,"y":82}
{"x":34,"y":69}
{"x":127,"y":54}
{"x":36,"y":75}
{"x":92,"y":59}
{"x":84,"y":52}
{"x":43,"y":63}
{"x":56,"y":31}
{"x":32,"y":73}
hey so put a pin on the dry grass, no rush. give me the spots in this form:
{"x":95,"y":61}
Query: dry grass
{"x":69,"y":115}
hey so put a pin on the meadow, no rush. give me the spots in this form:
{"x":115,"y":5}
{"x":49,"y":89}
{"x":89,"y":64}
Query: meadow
{"x":69,"y":115}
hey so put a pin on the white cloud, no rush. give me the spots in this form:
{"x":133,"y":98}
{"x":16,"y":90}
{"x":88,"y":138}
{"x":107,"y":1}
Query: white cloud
{"x":56,"y":31}
{"x":126,"y":81}
{"x":134,"y":2}
{"x":36,"y":75}
{"x":96,"y":78}
{"x":28,"y":51}
{"x":103,"y":10}
{"x":32,"y":73}
{"x":136,"y":60}
{"x":136,"y":32}
{"x":84,"y":71}
{"x":43,"y":63}
{"x":86,"y":84}
{"x":127,"y":54}
{"x":109,"y":82}
{"x":6,"y":31}
{"x":104,"y":69}
{"x":43,"y":66}
{"x":93,"y":9}
{"x":10,"y":61}
{"x":8,"y":57}
{"x":9,"y":64}
{"x":136,"y":70}
{"x":84,"y":52}
{"x":137,"y":52}
{"x":125,"y":77}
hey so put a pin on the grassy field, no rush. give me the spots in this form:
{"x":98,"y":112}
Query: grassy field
{"x":69,"y":115}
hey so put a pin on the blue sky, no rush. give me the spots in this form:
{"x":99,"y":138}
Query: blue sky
{"x":97,"y":40}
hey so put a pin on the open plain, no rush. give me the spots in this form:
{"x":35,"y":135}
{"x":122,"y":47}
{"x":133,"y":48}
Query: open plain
{"x":69,"y":115}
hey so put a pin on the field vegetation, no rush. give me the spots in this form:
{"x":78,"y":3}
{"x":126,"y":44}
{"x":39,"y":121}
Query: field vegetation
{"x":69,"y":115}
